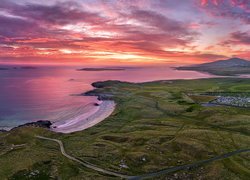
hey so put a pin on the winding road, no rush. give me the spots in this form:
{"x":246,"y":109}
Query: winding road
{"x":147,"y":175}
{"x":86,"y":164}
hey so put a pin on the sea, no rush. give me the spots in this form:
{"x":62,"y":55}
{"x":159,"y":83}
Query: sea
{"x":52,"y":92}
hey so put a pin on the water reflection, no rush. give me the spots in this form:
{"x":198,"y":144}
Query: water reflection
{"x":34,"y":94}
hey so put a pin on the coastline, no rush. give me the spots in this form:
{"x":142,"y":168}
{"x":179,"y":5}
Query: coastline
{"x":99,"y":112}
{"x":102,"y":110}
{"x":86,"y":120}
{"x":142,"y":121}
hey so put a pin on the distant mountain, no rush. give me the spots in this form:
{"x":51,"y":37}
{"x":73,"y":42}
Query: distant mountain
{"x":229,"y":67}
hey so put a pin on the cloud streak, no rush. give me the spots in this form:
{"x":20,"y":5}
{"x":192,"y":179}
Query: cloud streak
{"x":115,"y":30}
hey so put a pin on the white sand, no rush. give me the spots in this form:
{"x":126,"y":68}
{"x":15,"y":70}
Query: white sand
{"x":86,"y":120}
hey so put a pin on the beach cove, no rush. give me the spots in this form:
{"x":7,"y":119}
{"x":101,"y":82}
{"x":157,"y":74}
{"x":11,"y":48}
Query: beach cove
{"x":25,"y":99}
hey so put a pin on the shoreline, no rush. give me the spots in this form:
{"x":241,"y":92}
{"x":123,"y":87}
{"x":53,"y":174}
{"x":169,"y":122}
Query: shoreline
{"x":79,"y":123}
{"x":102,"y":110}
{"x":86,"y":120}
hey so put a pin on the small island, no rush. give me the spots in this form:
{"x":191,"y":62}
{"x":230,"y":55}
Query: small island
{"x":16,"y":68}
{"x":3,"y":69}
{"x":229,"y":67}
{"x":28,"y":67}
{"x":101,"y":69}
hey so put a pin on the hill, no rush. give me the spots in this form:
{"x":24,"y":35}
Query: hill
{"x":229,"y":67}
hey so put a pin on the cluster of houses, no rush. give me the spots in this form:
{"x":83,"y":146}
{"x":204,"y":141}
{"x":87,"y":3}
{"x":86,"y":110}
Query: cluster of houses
{"x":237,"y":99}
{"x":232,"y":101}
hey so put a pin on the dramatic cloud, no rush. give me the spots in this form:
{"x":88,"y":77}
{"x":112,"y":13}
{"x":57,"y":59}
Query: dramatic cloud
{"x":15,"y":27}
{"x":234,"y":9}
{"x":121,"y":31}
{"x":240,"y":38}
{"x":60,"y":14}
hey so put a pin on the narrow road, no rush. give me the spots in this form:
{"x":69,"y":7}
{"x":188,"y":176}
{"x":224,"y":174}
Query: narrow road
{"x":187,"y":166}
{"x":147,"y":175}
{"x":86,"y":164}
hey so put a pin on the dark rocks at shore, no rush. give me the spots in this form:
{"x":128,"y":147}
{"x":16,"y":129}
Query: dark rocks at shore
{"x":102,"y":84}
{"x":41,"y":123}
{"x":98,"y":84}
{"x":103,"y":97}
{"x":100,"y":96}
{"x":90,"y":93}
{"x":2,"y":130}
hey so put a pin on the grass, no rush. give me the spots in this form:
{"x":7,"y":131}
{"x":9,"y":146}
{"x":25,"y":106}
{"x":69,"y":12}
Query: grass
{"x":202,"y":98}
{"x":155,"y":126}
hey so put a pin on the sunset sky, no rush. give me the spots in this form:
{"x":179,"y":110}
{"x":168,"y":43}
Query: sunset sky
{"x":123,"y":31}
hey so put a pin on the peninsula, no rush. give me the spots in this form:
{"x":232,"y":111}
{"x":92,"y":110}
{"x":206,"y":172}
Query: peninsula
{"x":229,"y":67}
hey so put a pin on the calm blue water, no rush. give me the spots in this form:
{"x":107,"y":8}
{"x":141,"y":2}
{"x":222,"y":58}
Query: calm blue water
{"x":47,"y":93}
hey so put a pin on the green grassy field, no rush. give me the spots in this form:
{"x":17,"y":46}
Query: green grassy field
{"x":155,"y":126}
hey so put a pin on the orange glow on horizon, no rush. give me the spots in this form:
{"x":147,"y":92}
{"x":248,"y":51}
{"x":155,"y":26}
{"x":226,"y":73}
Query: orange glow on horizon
{"x":115,"y":33}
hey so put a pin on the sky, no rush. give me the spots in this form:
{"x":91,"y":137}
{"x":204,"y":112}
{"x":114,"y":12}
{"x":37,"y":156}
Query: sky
{"x":123,"y":31}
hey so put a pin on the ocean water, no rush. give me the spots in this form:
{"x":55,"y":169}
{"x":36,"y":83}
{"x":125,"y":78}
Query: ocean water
{"x":50,"y":93}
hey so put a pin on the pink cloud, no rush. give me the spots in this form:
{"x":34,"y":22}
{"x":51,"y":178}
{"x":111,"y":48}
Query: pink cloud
{"x":234,"y":9}
{"x":42,"y":30}
{"x":238,"y":38}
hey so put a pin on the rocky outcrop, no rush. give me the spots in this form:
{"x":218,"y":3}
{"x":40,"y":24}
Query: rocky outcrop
{"x":97,"y":92}
{"x":102,"y":84}
{"x":100,"y":96}
{"x":41,"y":123}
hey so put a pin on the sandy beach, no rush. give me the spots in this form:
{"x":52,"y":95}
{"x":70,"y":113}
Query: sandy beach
{"x":86,"y":120}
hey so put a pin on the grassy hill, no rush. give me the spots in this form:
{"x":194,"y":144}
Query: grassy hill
{"x":229,"y":67}
{"x":156,"y":125}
